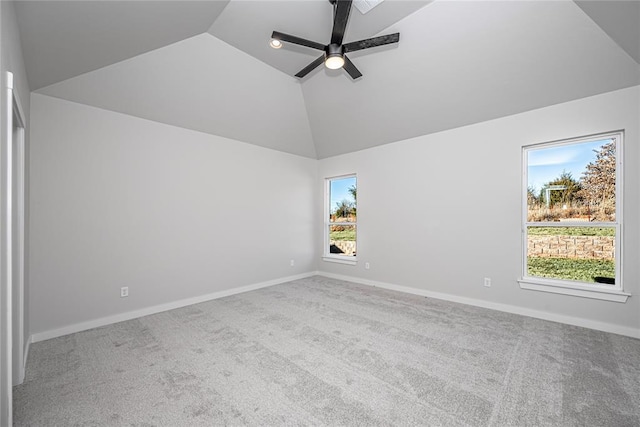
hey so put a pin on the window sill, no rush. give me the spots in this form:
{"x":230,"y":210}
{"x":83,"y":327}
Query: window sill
{"x":566,"y":288}
{"x":340,"y":259}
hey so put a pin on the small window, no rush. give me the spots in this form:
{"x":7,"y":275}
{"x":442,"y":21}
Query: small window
{"x":340,"y":227}
{"x":571,"y":218}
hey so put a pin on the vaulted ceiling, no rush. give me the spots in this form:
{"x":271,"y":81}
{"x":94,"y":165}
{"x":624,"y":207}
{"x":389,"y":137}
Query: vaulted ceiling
{"x":207,"y":65}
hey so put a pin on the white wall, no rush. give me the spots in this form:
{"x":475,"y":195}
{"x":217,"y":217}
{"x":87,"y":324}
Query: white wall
{"x":440,"y":212}
{"x":170,"y":213}
{"x":10,"y":60}
{"x":175,"y":214}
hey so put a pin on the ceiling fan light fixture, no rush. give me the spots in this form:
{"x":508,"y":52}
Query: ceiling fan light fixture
{"x":275,"y":43}
{"x":335,"y":56}
{"x":334,"y":61}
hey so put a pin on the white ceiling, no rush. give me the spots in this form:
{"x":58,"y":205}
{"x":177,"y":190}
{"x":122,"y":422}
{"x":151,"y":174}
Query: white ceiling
{"x":62,"y":39}
{"x":620,"y":19}
{"x":204,"y":84}
{"x":206,"y":65}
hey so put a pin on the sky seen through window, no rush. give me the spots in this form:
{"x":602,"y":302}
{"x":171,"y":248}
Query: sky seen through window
{"x":340,"y":191}
{"x":546,"y":164}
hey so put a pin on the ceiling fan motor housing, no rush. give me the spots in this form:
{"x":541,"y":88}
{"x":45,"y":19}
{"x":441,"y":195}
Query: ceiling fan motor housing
{"x":334,"y":50}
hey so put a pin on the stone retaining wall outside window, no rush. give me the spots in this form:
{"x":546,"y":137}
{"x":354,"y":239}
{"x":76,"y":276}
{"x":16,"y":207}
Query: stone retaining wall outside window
{"x":584,"y":247}
{"x":348,"y":247}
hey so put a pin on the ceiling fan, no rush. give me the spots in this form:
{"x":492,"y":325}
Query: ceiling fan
{"x":334,"y":53}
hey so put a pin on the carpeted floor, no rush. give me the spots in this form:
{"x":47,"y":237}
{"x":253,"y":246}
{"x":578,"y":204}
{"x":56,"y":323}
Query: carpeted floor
{"x":319,"y":351}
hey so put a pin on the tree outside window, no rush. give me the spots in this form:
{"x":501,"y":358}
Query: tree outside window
{"x":341,"y":217}
{"x":571,"y":226}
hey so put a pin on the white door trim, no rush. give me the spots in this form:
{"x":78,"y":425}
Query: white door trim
{"x":6,"y":369}
{"x":18,"y":309}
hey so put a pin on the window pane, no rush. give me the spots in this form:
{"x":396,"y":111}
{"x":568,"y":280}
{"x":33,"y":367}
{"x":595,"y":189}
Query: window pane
{"x":342,"y":199}
{"x":342,"y":239}
{"x":585,"y":254}
{"x":572,"y":182}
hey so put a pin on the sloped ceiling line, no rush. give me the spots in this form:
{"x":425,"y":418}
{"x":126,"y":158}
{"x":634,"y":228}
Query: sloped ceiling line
{"x":63,"y":39}
{"x":203,"y":84}
{"x":458,"y":63}
{"x":620,"y":20}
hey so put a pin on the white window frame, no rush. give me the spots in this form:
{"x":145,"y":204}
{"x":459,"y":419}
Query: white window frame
{"x":326,"y":255}
{"x":568,"y":287}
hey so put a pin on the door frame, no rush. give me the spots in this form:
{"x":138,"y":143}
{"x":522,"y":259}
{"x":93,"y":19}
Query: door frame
{"x":17,"y":158}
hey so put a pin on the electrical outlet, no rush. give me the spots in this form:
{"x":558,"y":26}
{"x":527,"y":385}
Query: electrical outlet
{"x":292,"y":262}
{"x":366,"y":266}
{"x":487,"y":282}
{"x":124,"y":291}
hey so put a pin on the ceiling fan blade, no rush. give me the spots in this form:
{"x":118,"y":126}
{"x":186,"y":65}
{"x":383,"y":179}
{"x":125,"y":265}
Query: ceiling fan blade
{"x":296,"y":40}
{"x":351,"y":69}
{"x":306,"y":70}
{"x":372,"y":42}
{"x":343,"y":7}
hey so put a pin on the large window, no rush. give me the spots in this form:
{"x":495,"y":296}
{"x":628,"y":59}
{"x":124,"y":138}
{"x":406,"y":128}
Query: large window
{"x":340,"y":219}
{"x":572,"y":217}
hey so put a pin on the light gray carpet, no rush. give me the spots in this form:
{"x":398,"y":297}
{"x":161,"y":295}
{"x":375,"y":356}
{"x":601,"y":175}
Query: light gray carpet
{"x":325,"y":352}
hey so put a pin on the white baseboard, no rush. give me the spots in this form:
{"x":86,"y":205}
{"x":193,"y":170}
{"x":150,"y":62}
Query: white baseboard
{"x":569,"y":320}
{"x":103,"y":321}
{"x":83,"y":326}
{"x":25,"y":358}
